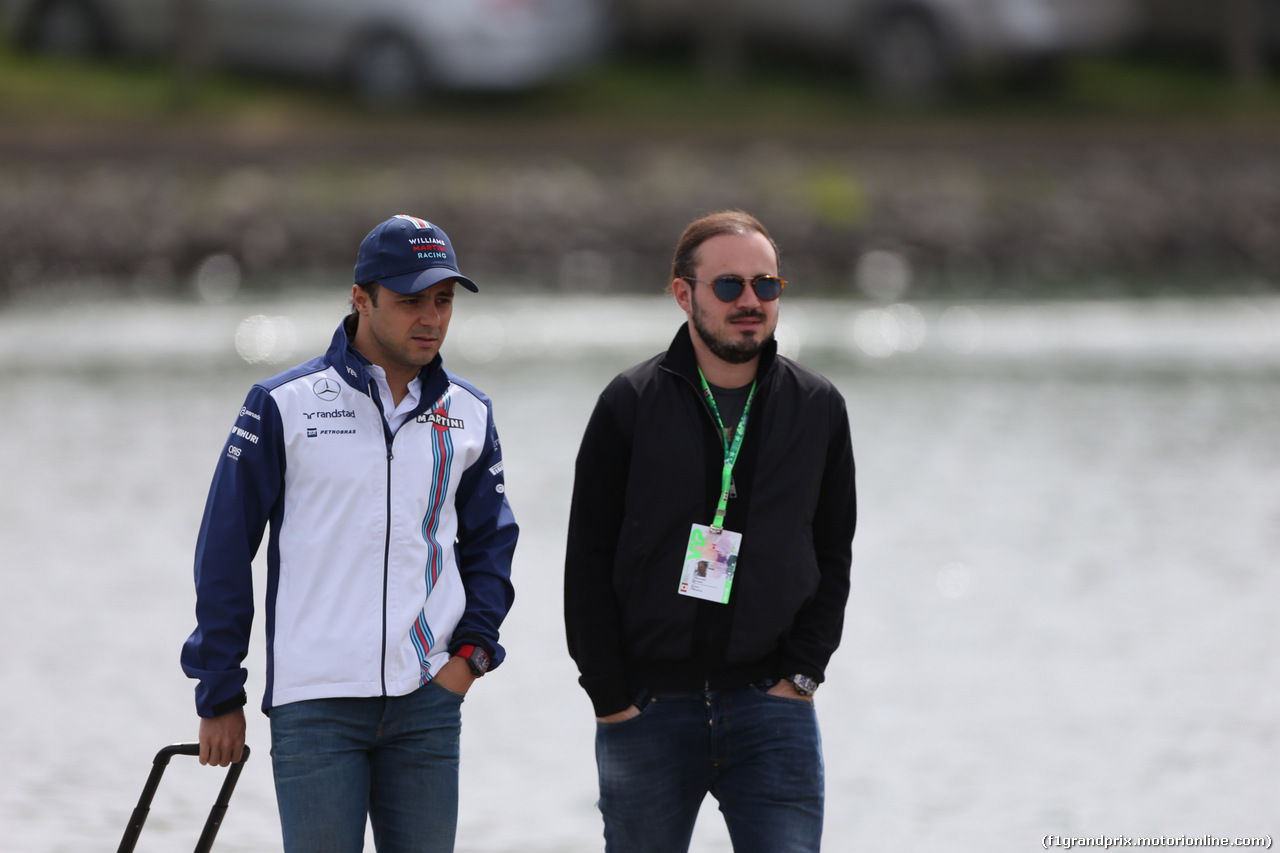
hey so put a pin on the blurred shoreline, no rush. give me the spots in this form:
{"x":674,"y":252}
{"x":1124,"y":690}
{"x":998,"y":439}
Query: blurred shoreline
{"x":973,"y":209}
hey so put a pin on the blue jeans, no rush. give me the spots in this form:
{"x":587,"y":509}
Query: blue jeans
{"x":394,"y":759}
{"x":760,"y":756}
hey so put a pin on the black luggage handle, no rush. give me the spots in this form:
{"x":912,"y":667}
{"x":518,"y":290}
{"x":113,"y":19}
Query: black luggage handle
{"x":219,"y":809}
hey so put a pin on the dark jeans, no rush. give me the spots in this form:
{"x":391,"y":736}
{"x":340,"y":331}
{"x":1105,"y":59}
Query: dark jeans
{"x":394,"y":759}
{"x":760,"y":756}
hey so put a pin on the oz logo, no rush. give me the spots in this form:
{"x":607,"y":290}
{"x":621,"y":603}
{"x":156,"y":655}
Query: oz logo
{"x":326,"y":389}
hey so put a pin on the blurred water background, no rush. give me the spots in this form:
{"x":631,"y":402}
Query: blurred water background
{"x":1062,"y":618}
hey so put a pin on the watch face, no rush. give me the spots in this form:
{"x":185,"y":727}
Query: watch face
{"x":804,"y":685}
{"x":479,"y":661}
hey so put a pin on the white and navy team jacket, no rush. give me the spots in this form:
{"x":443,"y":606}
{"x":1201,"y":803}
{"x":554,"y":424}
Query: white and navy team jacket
{"x":384,"y":553}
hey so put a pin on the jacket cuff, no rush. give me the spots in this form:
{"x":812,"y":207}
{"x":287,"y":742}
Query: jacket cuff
{"x":789,"y":667}
{"x":458,"y":642}
{"x":608,"y":695}
{"x":229,"y":705}
{"x":493,"y":650}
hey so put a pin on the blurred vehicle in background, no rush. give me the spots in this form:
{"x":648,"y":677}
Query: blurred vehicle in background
{"x":1242,"y":35}
{"x":1202,"y":24}
{"x":905,"y":50}
{"x":388,"y":51}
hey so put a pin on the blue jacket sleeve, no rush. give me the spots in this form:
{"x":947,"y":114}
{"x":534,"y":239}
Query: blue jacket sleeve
{"x":246,"y":486}
{"x":487,"y":534}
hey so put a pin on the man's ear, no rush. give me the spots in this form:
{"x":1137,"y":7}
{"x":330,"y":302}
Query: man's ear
{"x":359,"y":299}
{"x":684,"y":294}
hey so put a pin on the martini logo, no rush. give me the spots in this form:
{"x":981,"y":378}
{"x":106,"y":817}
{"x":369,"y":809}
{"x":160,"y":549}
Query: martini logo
{"x":418,"y":223}
{"x":440,"y":420}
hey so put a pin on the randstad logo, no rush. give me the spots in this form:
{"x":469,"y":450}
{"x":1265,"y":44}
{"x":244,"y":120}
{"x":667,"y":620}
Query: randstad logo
{"x":440,"y":420}
{"x":332,"y":413}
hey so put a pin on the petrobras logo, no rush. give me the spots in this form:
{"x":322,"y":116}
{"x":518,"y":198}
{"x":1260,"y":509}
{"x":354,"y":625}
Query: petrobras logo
{"x":496,"y":469}
{"x":440,"y":420}
{"x":316,"y":432}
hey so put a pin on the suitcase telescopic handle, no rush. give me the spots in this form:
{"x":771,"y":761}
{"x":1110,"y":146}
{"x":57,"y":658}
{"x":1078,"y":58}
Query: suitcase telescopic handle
{"x":158,"y":765}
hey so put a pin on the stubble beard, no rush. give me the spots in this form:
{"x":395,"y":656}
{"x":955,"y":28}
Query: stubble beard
{"x":401,"y":352}
{"x":731,"y":351}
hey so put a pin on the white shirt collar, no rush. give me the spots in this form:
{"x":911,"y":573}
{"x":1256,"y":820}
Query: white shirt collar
{"x":395,"y":415}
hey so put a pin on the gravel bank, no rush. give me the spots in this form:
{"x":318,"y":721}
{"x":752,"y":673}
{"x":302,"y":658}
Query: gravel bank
{"x":956,"y":211}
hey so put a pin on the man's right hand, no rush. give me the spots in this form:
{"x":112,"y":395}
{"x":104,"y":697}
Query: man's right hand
{"x":625,"y":714}
{"x":222,"y":738}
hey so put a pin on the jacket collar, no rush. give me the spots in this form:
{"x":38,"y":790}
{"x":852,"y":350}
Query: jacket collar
{"x":351,"y":364}
{"x":682,"y":360}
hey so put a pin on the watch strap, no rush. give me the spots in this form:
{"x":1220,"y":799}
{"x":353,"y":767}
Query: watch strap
{"x":476,"y":657}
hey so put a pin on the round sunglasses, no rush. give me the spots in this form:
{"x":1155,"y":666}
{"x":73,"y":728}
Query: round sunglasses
{"x":729,"y":287}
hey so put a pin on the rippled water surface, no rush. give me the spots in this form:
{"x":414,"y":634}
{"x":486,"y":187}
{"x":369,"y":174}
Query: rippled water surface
{"x":1065,"y":576}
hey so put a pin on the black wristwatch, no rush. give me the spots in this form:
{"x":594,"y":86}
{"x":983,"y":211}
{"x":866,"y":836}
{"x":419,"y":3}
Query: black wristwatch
{"x":803,"y":684}
{"x":476,"y":658}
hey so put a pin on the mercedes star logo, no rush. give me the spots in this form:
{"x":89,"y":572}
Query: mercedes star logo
{"x":326,"y":389}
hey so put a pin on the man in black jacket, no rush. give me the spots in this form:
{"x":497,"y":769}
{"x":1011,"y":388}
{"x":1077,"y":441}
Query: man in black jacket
{"x":718,"y":451}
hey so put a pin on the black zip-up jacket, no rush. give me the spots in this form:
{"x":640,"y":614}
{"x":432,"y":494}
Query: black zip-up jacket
{"x":648,"y":469}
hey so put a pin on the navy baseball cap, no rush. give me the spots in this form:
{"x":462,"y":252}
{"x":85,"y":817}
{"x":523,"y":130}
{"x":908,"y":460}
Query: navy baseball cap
{"x":407,"y":254}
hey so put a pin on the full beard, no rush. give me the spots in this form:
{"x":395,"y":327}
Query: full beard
{"x":732,"y":351}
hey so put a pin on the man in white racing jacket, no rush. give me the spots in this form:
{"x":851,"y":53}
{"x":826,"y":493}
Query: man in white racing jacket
{"x":380,"y":476}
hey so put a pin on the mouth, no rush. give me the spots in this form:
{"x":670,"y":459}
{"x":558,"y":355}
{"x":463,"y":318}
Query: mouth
{"x":748,"y":321}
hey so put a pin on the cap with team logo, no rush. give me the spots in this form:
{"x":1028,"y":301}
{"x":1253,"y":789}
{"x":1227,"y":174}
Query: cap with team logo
{"x":407,"y":254}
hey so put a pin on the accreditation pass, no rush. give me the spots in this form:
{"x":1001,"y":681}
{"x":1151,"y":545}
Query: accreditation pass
{"x":709,"y":563}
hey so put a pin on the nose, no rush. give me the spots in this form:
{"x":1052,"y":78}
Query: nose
{"x":747,"y":298}
{"x":429,"y":315}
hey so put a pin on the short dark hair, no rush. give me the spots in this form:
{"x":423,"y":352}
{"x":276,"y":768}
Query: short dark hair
{"x":701,"y":230}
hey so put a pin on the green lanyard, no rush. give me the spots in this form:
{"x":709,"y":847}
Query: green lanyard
{"x":730,"y":450}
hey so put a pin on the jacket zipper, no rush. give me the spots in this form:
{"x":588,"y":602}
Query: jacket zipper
{"x":386,"y":542}
{"x":386,"y":571}
{"x":706,"y":408}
